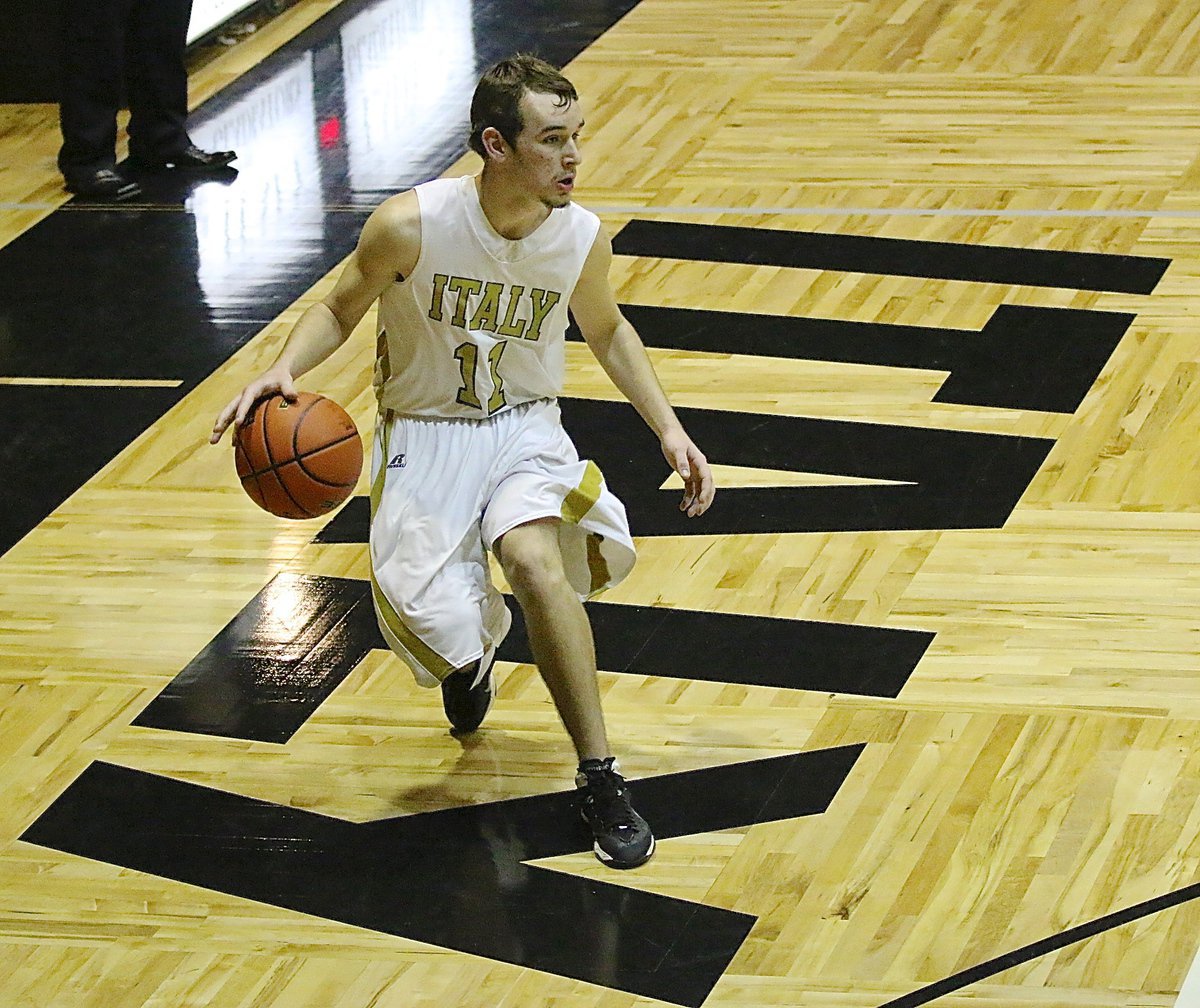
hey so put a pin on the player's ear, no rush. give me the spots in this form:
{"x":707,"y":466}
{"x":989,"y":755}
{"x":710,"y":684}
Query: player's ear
{"x":494,"y":144}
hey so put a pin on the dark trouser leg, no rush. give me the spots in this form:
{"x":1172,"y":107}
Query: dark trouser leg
{"x":93,"y":59}
{"x":158,"y":99}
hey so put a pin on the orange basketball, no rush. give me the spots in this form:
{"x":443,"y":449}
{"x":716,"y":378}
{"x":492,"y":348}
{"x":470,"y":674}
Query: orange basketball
{"x":300,"y":459}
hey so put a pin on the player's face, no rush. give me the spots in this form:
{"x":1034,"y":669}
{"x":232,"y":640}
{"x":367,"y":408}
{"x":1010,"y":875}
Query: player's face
{"x":547,"y":150}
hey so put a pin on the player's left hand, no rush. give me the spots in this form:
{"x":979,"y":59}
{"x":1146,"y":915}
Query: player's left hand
{"x":687,"y":460}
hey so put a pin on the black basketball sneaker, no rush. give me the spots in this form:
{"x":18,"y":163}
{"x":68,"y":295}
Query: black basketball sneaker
{"x":622,"y":837}
{"x":467,"y":695}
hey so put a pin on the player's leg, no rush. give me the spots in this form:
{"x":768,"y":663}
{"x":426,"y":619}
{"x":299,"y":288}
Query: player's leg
{"x":560,"y":637}
{"x":433,"y":595}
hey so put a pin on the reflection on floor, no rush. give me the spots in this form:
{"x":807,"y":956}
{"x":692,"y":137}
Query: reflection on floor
{"x":369,"y":101}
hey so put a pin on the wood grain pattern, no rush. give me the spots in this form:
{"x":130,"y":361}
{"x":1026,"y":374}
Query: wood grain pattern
{"x":1042,"y":766}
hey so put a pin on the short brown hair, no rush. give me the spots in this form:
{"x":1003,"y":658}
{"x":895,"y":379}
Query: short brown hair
{"x":497,"y":100}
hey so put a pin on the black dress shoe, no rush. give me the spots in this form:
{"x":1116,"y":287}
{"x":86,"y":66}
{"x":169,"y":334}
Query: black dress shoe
{"x":191,"y":158}
{"x":102,"y":184}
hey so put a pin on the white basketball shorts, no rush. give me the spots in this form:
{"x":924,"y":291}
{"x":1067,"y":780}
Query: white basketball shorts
{"x":443,"y":490}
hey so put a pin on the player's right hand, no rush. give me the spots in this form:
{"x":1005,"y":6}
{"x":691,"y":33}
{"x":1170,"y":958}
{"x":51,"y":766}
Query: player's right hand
{"x":277,"y":380}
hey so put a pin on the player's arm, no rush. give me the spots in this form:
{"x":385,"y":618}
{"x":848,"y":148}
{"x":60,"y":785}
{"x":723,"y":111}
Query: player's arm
{"x":620,"y":352}
{"x":389,"y":245}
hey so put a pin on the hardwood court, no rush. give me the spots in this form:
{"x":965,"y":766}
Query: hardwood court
{"x":1037,"y":770}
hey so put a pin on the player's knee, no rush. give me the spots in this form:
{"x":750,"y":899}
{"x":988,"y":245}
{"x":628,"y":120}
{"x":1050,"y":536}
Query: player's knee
{"x":533,"y":568}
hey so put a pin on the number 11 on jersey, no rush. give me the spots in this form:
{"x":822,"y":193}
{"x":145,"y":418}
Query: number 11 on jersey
{"x":467,"y":355}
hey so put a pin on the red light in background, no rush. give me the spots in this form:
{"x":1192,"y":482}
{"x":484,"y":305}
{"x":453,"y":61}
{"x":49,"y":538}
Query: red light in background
{"x":329,"y":132}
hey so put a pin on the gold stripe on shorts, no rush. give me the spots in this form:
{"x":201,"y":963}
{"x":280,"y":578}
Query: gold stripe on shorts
{"x":430,"y":660}
{"x":384,"y":421}
{"x":581,"y":499}
{"x":597,"y":565}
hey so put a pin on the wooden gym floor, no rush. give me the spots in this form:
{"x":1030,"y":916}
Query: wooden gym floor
{"x":916,"y":708}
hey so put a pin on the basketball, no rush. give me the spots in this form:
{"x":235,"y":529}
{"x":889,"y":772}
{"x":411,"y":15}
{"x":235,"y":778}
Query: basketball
{"x":299,"y":459}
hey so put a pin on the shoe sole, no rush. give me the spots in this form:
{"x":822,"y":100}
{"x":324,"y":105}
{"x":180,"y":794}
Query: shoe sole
{"x":608,"y":860}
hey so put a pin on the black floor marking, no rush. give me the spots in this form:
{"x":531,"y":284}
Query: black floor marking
{"x":56,"y":438}
{"x":274,"y":664}
{"x":960,"y":479}
{"x":352,"y":524}
{"x":136,"y":307}
{"x":455,"y":878}
{"x":278,"y":660}
{"x":1044,"y":947}
{"x":744,"y":650}
{"x":892,"y":256}
{"x":1023,"y":358}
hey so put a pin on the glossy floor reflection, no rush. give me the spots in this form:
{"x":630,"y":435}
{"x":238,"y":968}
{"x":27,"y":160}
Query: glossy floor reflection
{"x":368,"y":101}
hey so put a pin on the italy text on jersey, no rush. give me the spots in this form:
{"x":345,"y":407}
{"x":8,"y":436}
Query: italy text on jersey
{"x":505,"y":309}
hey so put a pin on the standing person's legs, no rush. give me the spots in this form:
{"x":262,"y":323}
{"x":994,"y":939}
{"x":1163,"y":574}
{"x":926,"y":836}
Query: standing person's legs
{"x":93,"y":36}
{"x":157,"y":74}
{"x":560,"y":635}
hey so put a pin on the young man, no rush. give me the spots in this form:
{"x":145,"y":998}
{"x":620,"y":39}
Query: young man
{"x":473,"y":278}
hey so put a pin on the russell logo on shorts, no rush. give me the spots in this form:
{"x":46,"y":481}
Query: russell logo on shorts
{"x":397,"y":462}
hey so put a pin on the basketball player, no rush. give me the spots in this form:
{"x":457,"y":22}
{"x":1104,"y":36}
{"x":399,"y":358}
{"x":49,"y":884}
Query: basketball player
{"x":474,"y":277}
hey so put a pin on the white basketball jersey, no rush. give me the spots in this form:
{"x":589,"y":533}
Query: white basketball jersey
{"x":478,"y":326}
